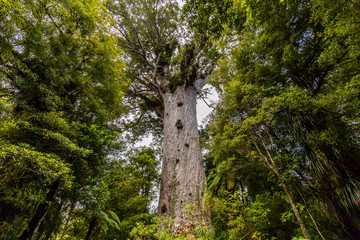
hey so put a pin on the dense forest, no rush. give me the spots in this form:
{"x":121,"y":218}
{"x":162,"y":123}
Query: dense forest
{"x":84,"y":82}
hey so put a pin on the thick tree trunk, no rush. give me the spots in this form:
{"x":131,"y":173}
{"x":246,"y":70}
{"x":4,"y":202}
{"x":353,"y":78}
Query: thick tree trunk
{"x":182,"y":178}
{"x":40,"y":213}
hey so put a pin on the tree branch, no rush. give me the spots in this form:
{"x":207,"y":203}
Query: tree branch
{"x":154,"y":105}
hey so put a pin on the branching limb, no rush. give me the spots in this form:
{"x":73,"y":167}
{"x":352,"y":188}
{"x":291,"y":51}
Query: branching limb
{"x":154,"y":105}
{"x":203,"y":98}
{"x":202,"y":77}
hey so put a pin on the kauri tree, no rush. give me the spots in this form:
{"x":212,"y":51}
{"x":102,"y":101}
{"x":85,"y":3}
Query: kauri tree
{"x":168,"y":64}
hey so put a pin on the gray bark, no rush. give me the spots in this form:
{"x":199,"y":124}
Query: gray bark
{"x":182,"y":178}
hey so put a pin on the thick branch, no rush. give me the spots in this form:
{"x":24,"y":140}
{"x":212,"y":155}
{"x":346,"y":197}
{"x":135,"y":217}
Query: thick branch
{"x":154,"y":105}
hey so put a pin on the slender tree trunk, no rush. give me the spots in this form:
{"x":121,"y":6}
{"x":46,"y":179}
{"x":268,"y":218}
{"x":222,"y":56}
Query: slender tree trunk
{"x":91,"y":228}
{"x":96,"y":236}
{"x":269,"y":162}
{"x":183,"y":175}
{"x":40,"y":213}
{"x":72,"y":207}
{"x":291,"y":200}
{"x":296,"y":212}
{"x":312,"y":218}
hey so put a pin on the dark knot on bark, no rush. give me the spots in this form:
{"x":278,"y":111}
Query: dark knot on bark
{"x":179,"y":124}
{"x":163,"y":208}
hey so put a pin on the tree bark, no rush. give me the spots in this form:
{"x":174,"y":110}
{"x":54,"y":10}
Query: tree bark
{"x":40,"y":213}
{"x":183,"y":175}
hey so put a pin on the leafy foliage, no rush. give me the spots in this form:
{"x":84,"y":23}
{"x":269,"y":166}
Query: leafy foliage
{"x":282,"y":108}
{"x":129,"y":187}
{"x":61,"y":82}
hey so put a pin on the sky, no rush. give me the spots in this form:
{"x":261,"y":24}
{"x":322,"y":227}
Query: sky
{"x":202,"y":109}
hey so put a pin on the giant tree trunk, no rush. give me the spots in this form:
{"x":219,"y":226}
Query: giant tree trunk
{"x":182,"y":178}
